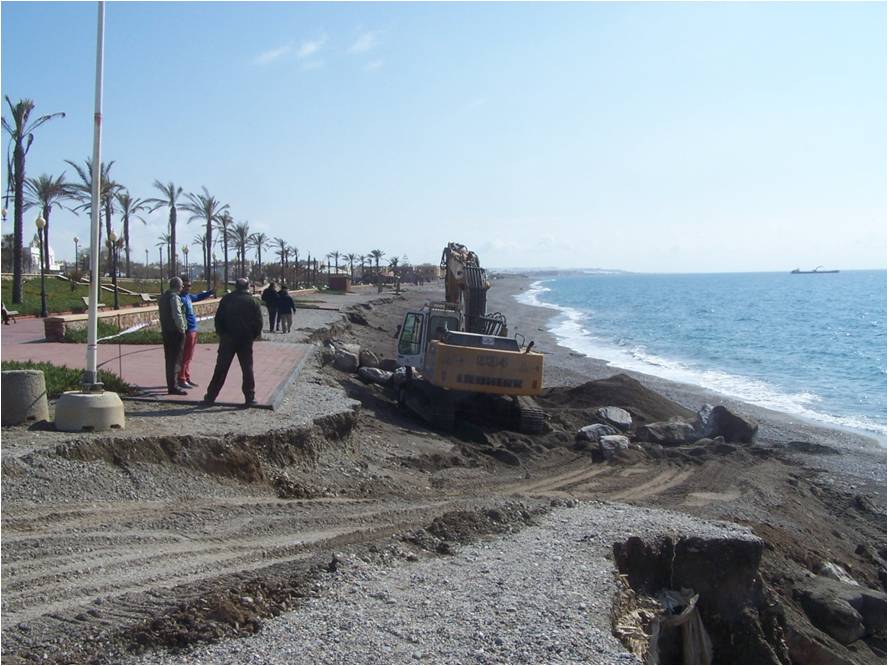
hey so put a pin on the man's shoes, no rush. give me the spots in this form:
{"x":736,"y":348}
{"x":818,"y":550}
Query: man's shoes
{"x":250,"y":402}
{"x":207,"y":401}
{"x":182,"y":386}
{"x":192,"y":384}
{"x":177,"y":391}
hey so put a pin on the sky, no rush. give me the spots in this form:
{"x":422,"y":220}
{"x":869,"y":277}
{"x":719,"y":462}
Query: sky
{"x":652,"y":137}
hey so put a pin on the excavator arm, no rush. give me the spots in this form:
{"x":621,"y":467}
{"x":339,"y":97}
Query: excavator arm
{"x":466,"y":285}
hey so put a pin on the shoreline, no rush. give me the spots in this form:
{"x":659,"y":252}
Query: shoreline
{"x":565,"y":366}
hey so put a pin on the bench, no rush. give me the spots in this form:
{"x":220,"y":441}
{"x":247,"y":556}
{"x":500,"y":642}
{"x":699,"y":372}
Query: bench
{"x":9,"y":314}
{"x":85,"y":300}
{"x":146,"y":298}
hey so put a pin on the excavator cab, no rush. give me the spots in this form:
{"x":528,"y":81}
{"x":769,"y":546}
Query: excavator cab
{"x":420,"y":328}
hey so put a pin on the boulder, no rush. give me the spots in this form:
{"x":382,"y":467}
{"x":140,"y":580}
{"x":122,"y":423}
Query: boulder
{"x":345,"y":360}
{"x":610,"y":445}
{"x":667,"y":433}
{"x":719,"y":420}
{"x":834,"y":571}
{"x":388,"y":364}
{"x":368,"y":359}
{"x":844,"y":611}
{"x":374,"y":375}
{"x":594,"y":432}
{"x":615,"y":416}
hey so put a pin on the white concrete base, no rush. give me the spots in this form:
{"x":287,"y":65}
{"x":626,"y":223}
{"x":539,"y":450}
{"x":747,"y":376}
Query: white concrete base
{"x":24,"y":397}
{"x":76,"y":411}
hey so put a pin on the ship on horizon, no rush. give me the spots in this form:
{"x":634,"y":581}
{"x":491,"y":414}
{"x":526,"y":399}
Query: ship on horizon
{"x":798,"y":271}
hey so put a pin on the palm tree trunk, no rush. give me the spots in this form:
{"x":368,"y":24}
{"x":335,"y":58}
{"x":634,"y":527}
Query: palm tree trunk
{"x":45,"y":239}
{"x":126,"y":243}
{"x":209,"y":246}
{"x":19,"y":184}
{"x":110,"y":265}
{"x":174,"y":257}
{"x":225,"y":251}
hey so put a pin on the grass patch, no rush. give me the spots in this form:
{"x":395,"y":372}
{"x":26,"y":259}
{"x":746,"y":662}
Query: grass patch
{"x":144,"y":336}
{"x":62,"y":378}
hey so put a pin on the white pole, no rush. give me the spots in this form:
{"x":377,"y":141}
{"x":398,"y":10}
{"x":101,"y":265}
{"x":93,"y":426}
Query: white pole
{"x":91,"y":377}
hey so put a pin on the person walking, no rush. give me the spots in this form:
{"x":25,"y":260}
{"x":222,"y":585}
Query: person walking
{"x":172,"y":327}
{"x":191,"y":331}
{"x":269,"y":297}
{"x":238,"y":323}
{"x":286,"y":308}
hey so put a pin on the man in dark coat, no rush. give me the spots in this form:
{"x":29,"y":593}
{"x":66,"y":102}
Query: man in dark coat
{"x":238,"y":323}
{"x":269,"y":297}
{"x":173,"y":326}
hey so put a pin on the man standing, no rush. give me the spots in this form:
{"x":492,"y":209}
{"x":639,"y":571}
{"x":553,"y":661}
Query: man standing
{"x":238,"y":324}
{"x":191,"y":332}
{"x":269,"y":297}
{"x":172,"y":328}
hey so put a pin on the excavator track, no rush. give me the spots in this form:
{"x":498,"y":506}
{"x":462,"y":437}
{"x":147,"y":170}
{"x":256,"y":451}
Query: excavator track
{"x":530,"y":416}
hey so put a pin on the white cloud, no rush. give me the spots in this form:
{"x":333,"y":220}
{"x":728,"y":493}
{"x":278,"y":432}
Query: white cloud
{"x":312,"y":64}
{"x":272,"y":55}
{"x":311,"y":47}
{"x":373,"y":64}
{"x":474,"y":104}
{"x":366,"y":41}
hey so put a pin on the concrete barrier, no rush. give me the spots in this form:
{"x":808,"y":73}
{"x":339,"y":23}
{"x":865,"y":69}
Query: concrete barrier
{"x":24,"y":397}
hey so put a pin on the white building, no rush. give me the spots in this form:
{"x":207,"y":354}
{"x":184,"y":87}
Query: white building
{"x":34,"y":256}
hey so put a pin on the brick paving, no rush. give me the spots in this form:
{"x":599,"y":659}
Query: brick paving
{"x":275,"y":364}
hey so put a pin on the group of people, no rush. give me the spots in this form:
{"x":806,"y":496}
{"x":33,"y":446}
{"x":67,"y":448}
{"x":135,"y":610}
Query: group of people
{"x":238,"y":323}
{"x":280,"y":308}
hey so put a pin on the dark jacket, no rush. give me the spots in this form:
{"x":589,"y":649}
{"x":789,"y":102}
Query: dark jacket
{"x":285,"y":304}
{"x":269,"y":297}
{"x":239,"y":317}
{"x":172,"y":313}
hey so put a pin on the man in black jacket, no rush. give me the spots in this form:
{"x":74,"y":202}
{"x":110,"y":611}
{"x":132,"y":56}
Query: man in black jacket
{"x":270,"y":297}
{"x":238,"y":323}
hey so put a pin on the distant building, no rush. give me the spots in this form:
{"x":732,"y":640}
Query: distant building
{"x":33,"y":256}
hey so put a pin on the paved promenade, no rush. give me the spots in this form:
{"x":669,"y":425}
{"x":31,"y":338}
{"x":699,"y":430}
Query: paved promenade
{"x":275,"y":364}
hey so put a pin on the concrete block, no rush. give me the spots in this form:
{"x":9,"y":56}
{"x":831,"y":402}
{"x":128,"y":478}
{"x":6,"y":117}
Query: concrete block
{"x":24,"y":397}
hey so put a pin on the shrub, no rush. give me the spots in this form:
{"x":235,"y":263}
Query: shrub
{"x":62,"y":378}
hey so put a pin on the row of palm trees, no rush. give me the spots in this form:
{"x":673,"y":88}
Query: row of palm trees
{"x":47,"y":192}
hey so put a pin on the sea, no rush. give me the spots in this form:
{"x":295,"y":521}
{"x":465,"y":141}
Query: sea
{"x":812,"y":346}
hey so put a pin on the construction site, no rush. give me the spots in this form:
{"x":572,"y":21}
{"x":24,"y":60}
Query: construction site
{"x":435,"y":480}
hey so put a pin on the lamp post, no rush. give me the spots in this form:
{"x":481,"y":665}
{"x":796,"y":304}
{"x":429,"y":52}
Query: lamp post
{"x":146,"y":263}
{"x":41,"y":224}
{"x":112,"y":245}
{"x":160,"y":266}
{"x":76,"y":254}
{"x":214,"y":271}
{"x":185,"y":252}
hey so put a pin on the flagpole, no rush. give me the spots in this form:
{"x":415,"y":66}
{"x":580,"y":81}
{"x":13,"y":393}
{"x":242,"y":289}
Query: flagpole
{"x":91,"y":378}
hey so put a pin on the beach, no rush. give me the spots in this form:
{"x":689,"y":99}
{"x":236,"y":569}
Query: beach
{"x":340,"y":528}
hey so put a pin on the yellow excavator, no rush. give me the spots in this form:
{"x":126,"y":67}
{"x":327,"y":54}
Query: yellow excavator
{"x":458,"y":358}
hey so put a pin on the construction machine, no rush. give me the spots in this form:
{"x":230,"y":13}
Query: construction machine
{"x":458,"y":358}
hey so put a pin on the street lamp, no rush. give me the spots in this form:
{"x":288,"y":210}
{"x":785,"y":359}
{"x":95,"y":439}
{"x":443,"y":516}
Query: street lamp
{"x":146,"y":263}
{"x":214,"y":272}
{"x":41,"y":224}
{"x":112,"y":245}
{"x":185,"y":252}
{"x":76,"y":254}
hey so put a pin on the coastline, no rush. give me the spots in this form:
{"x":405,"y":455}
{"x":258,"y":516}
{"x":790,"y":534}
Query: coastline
{"x":564,"y":366}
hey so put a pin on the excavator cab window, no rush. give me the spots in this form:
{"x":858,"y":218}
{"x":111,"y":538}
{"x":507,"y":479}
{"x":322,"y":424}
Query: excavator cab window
{"x":410,"y":342}
{"x":439,"y":326}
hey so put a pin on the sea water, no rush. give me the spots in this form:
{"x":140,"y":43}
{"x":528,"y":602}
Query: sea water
{"x":808,"y":345}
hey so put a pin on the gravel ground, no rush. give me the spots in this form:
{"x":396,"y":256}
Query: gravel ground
{"x":473,"y":607}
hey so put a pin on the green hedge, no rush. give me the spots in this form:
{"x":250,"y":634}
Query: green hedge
{"x":62,"y":378}
{"x":144,"y":336}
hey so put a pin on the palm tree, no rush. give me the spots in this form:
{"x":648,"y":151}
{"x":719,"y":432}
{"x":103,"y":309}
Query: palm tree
{"x":163,"y":241}
{"x":82,"y":191}
{"x":393,"y":264}
{"x":377,"y":255}
{"x":282,"y":251}
{"x":241,"y":233}
{"x":295,"y":252}
{"x":224,"y":223}
{"x":169,"y":198}
{"x":208,"y":208}
{"x":351,"y":264}
{"x":21,"y":136}
{"x":259,"y":241}
{"x":201,"y":239}
{"x":129,"y":207}
{"x":361,"y":258}
{"x":46,"y":191}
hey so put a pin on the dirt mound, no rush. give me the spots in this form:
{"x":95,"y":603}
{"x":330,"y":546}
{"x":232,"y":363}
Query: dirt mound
{"x":645,"y":405}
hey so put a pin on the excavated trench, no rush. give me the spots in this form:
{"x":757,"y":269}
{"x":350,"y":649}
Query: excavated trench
{"x":742,"y":619}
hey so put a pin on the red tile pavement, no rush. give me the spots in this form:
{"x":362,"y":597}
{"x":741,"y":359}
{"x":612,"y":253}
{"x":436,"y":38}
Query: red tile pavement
{"x":275,"y":364}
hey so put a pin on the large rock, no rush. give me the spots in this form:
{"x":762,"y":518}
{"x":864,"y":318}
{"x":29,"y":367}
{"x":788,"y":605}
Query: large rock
{"x":615,"y":416}
{"x":836,"y":572}
{"x":667,"y":433}
{"x":368,"y":359}
{"x":844,"y":611}
{"x":594,"y":432}
{"x":374,"y":375}
{"x":611,"y":445}
{"x":714,"y":421}
{"x":345,"y":360}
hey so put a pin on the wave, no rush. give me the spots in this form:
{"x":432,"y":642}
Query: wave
{"x":570,"y":331}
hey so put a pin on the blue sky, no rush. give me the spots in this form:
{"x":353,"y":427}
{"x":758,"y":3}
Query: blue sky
{"x":674,"y":137}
